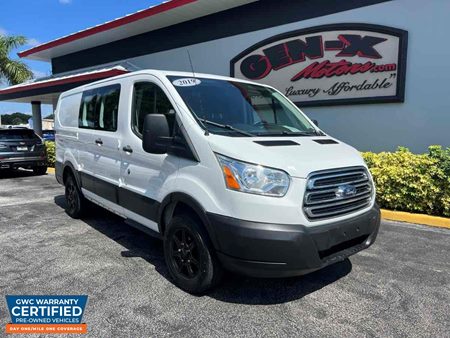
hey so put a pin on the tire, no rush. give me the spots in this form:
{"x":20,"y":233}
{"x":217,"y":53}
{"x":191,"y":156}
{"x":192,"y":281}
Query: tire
{"x":190,"y":257}
{"x":40,"y":170}
{"x":75,"y":201}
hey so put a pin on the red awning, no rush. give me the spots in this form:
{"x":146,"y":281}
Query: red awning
{"x":46,"y":90}
{"x":108,"y":25}
{"x":162,"y":15}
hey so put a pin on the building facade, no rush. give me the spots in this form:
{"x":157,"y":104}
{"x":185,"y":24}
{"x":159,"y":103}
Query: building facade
{"x":372,"y":72}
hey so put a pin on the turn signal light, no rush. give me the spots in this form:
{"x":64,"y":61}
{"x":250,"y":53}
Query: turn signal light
{"x":230,"y":180}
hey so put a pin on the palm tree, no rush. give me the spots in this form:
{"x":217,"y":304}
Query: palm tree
{"x":12,"y":71}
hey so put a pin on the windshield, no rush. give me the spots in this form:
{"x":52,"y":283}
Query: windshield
{"x":241,"y":109}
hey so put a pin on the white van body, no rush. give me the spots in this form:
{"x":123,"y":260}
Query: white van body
{"x":323,"y":207}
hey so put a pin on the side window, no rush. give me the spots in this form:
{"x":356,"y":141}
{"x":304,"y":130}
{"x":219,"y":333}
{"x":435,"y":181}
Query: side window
{"x":99,"y":108}
{"x":108,"y":108}
{"x":148,"y":98}
{"x":87,"y":117}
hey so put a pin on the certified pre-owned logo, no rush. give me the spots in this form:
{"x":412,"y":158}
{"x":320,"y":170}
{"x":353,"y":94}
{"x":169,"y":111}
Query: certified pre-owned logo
{"x":46,"y":314}
{"x":346,"y":191}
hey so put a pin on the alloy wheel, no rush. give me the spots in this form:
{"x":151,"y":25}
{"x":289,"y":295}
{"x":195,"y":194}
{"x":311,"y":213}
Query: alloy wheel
{"x":184,"y":253}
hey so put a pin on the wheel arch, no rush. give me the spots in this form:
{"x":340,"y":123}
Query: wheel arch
{"x":179,"y":202}
{"x":69,"y":169}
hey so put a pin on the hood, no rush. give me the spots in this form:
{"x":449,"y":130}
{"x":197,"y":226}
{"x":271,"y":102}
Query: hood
{"x":298,"y":156}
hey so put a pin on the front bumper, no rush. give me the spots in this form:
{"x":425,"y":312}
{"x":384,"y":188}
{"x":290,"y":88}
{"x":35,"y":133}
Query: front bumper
{"x":280,"y":250}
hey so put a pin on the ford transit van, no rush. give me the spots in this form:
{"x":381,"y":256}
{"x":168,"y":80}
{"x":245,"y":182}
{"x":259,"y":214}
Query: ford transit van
{"x":230,"y":174}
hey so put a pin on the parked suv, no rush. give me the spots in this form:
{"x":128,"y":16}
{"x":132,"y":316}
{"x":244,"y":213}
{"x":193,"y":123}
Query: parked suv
{"x":22,"y":148}
{"x":228,"y":173}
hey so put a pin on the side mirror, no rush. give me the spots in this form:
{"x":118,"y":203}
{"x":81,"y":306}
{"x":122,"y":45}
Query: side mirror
{"x":156,"y":134}
{"x":316,"y":122}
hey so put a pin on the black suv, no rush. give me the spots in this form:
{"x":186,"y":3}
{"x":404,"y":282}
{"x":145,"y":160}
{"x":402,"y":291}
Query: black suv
{"x":22,"y":148}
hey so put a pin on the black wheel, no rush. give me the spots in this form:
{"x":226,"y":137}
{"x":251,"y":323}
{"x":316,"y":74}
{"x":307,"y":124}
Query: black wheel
{"x":75,"y":202}
{"x":190,"y":256}
{"x":40,"y":170}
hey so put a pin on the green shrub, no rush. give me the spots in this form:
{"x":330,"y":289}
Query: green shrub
{"x":410,"y":182}
{"x":51,"y":156}
{"x":443,"y":158}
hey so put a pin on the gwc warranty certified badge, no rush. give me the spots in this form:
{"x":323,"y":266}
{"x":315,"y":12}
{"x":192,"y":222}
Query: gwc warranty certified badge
{"x":46,"y":314}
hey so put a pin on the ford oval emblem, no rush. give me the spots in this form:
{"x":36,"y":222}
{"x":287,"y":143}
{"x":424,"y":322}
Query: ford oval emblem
{"x":345,"y":191}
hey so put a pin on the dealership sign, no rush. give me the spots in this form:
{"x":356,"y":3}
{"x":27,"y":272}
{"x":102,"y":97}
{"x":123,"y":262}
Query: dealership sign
{"x":332,"y":64}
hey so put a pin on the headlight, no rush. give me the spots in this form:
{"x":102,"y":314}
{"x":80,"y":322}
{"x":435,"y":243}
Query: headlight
{"x":253,"y":179}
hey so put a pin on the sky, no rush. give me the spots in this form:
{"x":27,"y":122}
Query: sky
{"x":44,"y":20}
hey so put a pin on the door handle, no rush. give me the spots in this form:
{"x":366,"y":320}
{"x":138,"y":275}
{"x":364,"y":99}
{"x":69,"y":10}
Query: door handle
{"x":127,"y":149}
{"x":99,"y":141}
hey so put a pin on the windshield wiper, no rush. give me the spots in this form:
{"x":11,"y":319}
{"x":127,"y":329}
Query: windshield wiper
{"x":226,"y":126}
{"x":290,"y":133}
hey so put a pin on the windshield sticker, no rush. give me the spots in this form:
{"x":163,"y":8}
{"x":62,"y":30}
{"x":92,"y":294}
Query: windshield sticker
{"x":187,"y":82}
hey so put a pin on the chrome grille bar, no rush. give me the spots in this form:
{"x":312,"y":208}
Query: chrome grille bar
{"x":337,"y":192}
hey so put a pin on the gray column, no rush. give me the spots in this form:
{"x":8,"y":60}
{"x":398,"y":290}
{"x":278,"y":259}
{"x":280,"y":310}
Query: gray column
{"x":55,"y":103}
{"x":37,"y":117}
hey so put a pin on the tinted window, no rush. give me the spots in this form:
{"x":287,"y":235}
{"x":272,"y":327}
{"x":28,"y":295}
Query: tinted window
{"x":108,"y":108}
{"x":99,"y":108}
{"x":17,"y":134}
{"x":88,"y":118}
{"x":148,"y":98}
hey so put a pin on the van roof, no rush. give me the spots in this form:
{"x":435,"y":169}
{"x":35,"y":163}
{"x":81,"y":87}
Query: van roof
{"x":160,"y":73}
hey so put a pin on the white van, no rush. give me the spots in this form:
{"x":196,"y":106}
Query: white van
{"x":229,"y":173}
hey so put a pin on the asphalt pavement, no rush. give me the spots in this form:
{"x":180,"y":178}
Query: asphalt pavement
{"x":400,"y":287}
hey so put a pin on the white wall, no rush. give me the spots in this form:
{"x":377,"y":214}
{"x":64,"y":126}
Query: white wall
{"x":423,"y":119}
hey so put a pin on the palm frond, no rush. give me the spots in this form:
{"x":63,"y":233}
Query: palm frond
{"x":8,"y":43}
{"x":13,"y":71}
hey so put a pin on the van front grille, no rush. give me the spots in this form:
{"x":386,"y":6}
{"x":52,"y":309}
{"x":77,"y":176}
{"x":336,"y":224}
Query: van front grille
{"x":332,"y":193}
